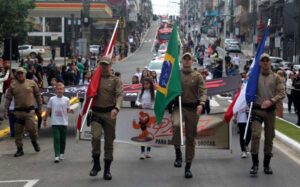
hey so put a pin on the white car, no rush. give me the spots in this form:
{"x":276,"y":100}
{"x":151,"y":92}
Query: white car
{"x":296,"y":67}
{"x":232,"y":45}
{"x":94,"y":49}
{"x":156,"y":65}
{"x":25,"y":50}
{"x":276,"y":62}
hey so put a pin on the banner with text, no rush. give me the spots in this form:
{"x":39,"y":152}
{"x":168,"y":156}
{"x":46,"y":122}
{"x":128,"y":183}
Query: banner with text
{"x":138,"y":126}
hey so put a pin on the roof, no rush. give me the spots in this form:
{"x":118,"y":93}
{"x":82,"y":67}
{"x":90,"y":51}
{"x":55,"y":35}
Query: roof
{"x":62,"y":9}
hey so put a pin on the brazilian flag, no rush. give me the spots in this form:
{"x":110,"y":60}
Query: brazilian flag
{"x":169,"y":85}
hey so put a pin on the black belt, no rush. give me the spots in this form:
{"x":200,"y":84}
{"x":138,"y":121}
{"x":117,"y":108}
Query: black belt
{"x":190,"y":105}
{"x":102,"y":109}
{"x":270,"y":109}
{"x":24,"y":109}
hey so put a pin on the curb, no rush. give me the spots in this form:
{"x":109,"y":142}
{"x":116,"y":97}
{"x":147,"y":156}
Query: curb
{"x":294,"y":145}
{"x":287,"y":141}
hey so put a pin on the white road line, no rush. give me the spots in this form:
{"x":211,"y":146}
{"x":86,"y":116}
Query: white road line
{"x":29,"y":183}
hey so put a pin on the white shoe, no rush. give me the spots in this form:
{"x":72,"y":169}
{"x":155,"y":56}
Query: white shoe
{"x":148,"y":155}
{"x":56,"y":160}
{"x":142,"y":157}
{"x":244,"y":155}
{"x":247,"y":150}
{"x":61,"y":157}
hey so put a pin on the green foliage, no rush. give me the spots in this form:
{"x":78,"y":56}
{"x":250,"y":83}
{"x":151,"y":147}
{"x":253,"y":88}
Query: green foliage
{"x":288,"y":130}
{"x":13,"y":15}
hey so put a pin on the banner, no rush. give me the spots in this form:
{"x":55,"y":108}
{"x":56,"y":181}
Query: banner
{"x":214,"y":87}
{"x":212,"y":131}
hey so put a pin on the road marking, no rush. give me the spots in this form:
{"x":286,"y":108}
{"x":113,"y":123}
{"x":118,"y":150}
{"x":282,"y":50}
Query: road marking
{"x":29,"y":183}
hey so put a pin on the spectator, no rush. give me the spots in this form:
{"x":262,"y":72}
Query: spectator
{"x":154,"y":77}
{"x":236,"y":60}
{"x":134,"y":80}
{"x":289,"y":88}
{"x":51,"y":70}
{"x":138,"y":73}
{"x":4,"y":75}
{"x":279,"y":104}
{"x":86,"y":78}
{"x":53,"y":52}
{"x":218,"y":69}
{"x":296,"y":96}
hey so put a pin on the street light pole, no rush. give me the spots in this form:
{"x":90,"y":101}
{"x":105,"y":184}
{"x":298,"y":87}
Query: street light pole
{"x":225,"y":20}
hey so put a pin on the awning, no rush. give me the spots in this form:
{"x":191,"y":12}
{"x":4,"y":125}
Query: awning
{"x":104,"y":23}
{"x":62,"y":9}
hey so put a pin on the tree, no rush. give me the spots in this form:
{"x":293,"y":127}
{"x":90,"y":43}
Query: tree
{"x":13,"y":18}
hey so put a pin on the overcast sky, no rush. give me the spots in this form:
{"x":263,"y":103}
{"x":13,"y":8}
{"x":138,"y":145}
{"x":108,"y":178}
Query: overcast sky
{"x":163,"y":7}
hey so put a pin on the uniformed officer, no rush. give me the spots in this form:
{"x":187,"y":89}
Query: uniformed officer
{"x":104,"y":112}
{"x":270,"y":90}
{"x":193,"y":102}
{"x":26,"y":94}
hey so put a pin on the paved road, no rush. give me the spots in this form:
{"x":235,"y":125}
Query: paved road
{"x":210,"y":167}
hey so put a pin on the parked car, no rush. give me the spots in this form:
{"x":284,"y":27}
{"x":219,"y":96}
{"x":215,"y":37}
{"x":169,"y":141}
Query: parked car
{"x":276,"y":62}
{"x":211,"y":33}
{"x":233,"y":47}
{"x":296,"y":67}
{"x":95,"y":49}
{"x":227,"y":41}
{"x":25,"y":50}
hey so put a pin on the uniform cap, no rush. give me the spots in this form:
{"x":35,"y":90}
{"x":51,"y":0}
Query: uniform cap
{"x":21,"y":69}
{"x":187,"y":54}
{"x":264,"y":55}
{"x":105,"y":60}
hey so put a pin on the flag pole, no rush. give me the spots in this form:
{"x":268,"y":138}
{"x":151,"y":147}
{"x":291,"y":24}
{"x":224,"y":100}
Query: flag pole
{"x":251,"y":104}
{"x":248,"y":120}
{"x":112,"y":38}
{"x":107,"y":51}
{"x":180,"y":118}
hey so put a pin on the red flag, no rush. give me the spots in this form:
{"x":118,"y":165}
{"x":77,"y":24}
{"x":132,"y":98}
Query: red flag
{"x":95,"y":82}
{"x":229,"y":113}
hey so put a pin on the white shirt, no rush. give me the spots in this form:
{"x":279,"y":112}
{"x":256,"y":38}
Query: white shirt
{"x":236,"y":60}
{"x":139,"y":75}
{"x":59,"y":110}
{"x":241,"y":117}
{"x":145,"y":100}
{"x":289,"y":86}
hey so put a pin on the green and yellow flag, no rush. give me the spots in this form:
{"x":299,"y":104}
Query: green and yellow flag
{"x":169,"y":81}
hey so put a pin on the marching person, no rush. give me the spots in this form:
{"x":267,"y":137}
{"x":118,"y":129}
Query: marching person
{"x":59,"y":107}
{"x":24,"y":108}
{"x":193,"y":102}
{"x":106,"y":107}
{"x":145,"y":100}
{"x":270,"y":90}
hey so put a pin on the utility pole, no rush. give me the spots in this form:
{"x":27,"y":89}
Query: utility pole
{"x":86,"y":26}
{"x":73,"y":42}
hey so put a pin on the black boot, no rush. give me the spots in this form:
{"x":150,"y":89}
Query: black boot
{"x":254,"y":168}
{"x":178,"y":159}
{"x":106,"y":174}
{"x":19,"y":152}
{"x":36,"y":146}
{"x":267,"y":169}
{"x":96,"y":168}
{"x":188,"y":174}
